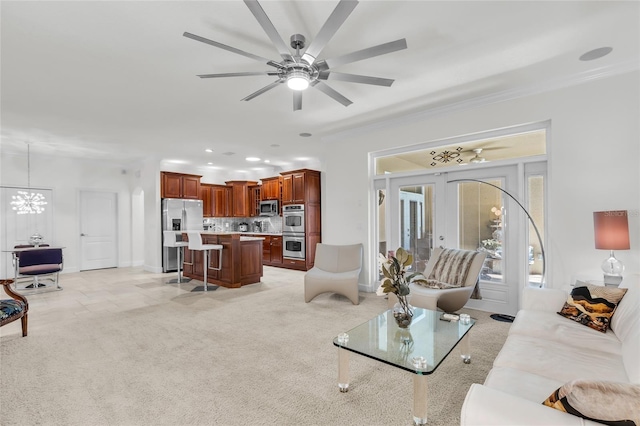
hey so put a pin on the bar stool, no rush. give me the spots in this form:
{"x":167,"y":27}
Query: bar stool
{"x":170,"y":240}
{"x":195,"y":243}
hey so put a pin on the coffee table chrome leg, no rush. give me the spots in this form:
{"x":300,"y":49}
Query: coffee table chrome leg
{"x":343,"y":370}
{"x":465,"y":351}
{"x":420,"y":399}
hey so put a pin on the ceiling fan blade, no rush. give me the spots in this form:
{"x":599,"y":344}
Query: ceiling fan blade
{"x":228,"y":48}
{"x":268,"y":28}
{"x":261,"y":91}
{"x":331,"y":93}
{"x":238,"y":74}
{"x":333,"y":23}
{"x":370,"y":52}
{"x":355,"y":78}
{"x":297,"y":100}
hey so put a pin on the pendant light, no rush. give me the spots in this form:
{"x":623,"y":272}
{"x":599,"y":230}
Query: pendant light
{"x":27,"y":202}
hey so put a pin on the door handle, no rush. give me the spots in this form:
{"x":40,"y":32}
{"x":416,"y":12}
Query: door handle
{"x":83,"y":235}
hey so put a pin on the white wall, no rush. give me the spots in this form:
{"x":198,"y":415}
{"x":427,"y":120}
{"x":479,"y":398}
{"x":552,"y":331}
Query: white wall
{"x":593,"y":165}
{"x":66,"y":177}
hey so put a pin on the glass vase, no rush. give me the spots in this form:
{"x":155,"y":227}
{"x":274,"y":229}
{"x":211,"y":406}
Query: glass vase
{"x":403,"y":311}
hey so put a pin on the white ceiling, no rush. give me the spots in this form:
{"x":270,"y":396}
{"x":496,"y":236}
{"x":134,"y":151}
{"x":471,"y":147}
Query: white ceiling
{"x":117,"y":80}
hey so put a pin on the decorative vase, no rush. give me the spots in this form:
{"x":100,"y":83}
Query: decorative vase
{"x":403,"y":311}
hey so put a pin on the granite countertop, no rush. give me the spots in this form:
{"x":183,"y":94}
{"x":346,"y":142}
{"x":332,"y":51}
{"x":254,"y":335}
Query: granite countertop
{"x":242,"y":238}
{"x":240,"y":233}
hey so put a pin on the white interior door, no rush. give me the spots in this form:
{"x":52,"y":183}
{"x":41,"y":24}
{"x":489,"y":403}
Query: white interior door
{"x":98,"y":230}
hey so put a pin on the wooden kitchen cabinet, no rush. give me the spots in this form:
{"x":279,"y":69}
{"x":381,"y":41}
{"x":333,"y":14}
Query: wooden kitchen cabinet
{"x":303,"y":187}
{"x":254,"y":200}
{"x":271,"y":250}
{"x":270,"y":188}
{"x":179,"y":185}
{"x":240,"y":200}
{"x":221,"y":201}
{"x":300,"y":187}
{"x":276,"y":250}
{"x":207,"y":203}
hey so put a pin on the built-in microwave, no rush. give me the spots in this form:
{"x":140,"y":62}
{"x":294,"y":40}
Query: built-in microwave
{"x":269,"y":208}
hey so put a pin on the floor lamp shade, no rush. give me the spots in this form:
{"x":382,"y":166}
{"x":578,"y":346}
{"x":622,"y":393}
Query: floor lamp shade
{"x":611,"y":230}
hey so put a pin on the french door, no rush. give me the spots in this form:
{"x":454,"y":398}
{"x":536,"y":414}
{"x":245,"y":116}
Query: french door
{"x":465,"y":210}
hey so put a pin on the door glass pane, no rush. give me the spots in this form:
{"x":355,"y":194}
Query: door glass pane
{"x":535,"y":187}
{"x":481,"y":213}
{"x":416,"y":223}
{"x":381,"y":229}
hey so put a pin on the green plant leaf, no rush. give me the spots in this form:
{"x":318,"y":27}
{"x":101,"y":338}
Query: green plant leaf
{"x":409,"y":260}
{"x":386,"y":272}
{"x":401,"y":255}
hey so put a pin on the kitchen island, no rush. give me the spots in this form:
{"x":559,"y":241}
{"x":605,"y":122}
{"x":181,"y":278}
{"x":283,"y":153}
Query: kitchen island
{"x":241,"y":259}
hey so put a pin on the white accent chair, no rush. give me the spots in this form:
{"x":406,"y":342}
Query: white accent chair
{"x":336,"y":269}
{"x":195,"y":243}
{"x":449,"y":299}
{"x":171,"y":240}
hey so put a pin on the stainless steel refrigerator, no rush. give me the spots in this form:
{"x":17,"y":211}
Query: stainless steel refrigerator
{"x":178,"y":215}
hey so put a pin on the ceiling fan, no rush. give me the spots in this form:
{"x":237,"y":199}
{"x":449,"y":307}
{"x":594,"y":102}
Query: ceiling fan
{"x":477,"y":158}
{"x":303,"y":69}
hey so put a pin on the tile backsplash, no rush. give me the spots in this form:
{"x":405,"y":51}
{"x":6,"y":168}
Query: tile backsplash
{"x":230,"y":224}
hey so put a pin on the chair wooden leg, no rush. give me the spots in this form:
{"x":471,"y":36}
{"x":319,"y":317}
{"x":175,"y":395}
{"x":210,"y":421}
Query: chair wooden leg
{"x":24,"y":325}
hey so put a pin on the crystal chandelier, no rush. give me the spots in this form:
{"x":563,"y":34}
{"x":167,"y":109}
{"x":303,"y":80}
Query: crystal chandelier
{"x":27,"y":202}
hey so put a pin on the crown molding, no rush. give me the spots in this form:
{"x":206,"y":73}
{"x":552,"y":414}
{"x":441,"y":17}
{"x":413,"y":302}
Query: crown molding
{"x":548,"y":85}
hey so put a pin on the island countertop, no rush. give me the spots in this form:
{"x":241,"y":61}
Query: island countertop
{"x":241,"y":259}
{"x":242,"y":235}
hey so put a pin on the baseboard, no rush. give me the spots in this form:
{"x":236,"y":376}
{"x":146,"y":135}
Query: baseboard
{"x":154,"y":269}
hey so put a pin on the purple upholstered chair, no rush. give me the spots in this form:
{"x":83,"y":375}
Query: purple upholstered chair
{"x":40,"y":262}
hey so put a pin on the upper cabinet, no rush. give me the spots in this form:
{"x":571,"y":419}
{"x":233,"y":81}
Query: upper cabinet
{"x":254,"y":200}
{"x":221,"y":201}
{"x":241,"y":205}
{"x":179,"y":185}
{"x":207,"y":203}
{"x":271,"y":188}
{"x":300,"y":187}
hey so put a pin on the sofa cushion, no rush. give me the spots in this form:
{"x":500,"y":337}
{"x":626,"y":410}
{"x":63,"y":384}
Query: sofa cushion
{"x":551,"y":326}
{"x":605,"y":402}
{"x":560,"y":361}
{"x":522,"y":384}
{"x":592,"y":305}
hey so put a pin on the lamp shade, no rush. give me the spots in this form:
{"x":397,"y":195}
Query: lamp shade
{"x":611,"y":230}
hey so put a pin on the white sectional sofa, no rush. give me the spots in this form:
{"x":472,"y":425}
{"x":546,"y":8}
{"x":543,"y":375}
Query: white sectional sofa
{"x":544,"y":350}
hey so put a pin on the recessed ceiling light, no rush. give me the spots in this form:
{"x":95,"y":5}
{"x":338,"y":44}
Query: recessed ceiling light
{"x":302,"y":159}
{"x":596,"y":53}
{"x":209,"y":163}
{"x":267,"y":161}
{"x":252,"y":159}
{"x":208,"y":150}
{"x":305,"y":135}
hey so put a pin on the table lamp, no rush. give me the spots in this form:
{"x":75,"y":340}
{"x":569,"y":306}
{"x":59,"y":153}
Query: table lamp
{"x":611,"y":230}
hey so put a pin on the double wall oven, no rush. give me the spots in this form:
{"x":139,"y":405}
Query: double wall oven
{"x":293,"y":238}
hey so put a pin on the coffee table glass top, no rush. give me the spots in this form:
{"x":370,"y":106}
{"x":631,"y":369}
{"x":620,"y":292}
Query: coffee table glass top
{"x":418,"y":349}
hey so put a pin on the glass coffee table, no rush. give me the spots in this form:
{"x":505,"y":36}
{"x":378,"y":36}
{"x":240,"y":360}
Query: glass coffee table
{"x":418,"y":349}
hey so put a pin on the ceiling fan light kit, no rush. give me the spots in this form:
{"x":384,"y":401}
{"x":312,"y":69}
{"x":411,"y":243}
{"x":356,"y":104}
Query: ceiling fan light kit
{"x":301,"y":71}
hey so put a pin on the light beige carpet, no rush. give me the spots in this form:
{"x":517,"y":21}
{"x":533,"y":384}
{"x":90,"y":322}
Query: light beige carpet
{"x":252,"y":356}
